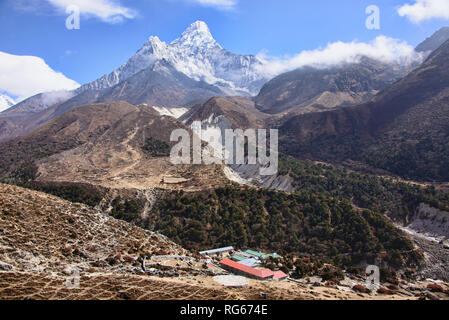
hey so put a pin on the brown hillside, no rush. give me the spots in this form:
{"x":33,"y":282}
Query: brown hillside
{"x":104,"y":144}
{"x":239,"y":111}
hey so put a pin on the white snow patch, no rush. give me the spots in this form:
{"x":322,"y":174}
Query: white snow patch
{"x":6,"y":102}
{"x":232,"y":281}
{"x":171,"y":112}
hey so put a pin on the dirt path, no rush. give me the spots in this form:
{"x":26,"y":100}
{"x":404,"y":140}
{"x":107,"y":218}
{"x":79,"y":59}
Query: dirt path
{"x":134,"y":157}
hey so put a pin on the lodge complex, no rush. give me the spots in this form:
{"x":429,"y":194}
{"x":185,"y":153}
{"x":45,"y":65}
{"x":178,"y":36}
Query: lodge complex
{"x":247,"y":264}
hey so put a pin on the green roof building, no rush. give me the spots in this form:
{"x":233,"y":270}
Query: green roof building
{"x":255,"y":253}
{"x":262,"y":255}
{"x":273,"y":255}
{"x":238,"y":257}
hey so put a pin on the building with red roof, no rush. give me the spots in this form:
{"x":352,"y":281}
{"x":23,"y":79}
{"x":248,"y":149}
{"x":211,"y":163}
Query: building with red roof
{"x":238,"y":268}
{"x":280,"y":276}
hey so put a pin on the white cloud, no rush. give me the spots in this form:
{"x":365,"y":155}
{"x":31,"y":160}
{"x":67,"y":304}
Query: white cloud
{"x":106,"y":10}
{"x":219,"y":4}
{"x":25,"y":76}
{"x":382,"y":48}
{"x":425,"y":10}
{"x":53,"y":97}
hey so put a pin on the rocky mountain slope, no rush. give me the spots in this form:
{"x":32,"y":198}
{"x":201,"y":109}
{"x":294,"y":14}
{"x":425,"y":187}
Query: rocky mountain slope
{"x":44,"y":234}
{"x":403,"y":130}
{"x":239,"y":111}
{"x":160,"y":85}
{"x":310,"y":89}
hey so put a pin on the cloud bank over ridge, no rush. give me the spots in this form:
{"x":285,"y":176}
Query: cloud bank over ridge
{"x":382,"y":48}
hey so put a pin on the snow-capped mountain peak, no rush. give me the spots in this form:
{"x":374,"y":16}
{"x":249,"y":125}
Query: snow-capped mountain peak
{"x":198,"y":26}
{"x":197,"y":55}
{"x":196,"y":35}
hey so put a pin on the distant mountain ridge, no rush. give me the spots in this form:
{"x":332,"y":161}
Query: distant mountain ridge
{"x":160,"y":85}
{"x":403,"y":130}
{"x":435,"y":41}
{"x":310,"y":89}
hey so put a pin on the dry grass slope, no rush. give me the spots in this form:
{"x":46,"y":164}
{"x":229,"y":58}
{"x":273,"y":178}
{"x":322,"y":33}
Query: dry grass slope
{"x":44,"y":234}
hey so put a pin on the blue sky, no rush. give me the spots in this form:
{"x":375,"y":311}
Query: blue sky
{"x":277,"y":27}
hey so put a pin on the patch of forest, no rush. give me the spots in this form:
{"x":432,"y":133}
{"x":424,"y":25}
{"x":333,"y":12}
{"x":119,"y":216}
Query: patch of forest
{"x":397,"y":199}
{"x":326,"y":228}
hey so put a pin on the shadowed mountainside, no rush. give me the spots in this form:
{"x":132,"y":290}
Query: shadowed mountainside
{"x":404,"y":129}
{"x":311,"y":89}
